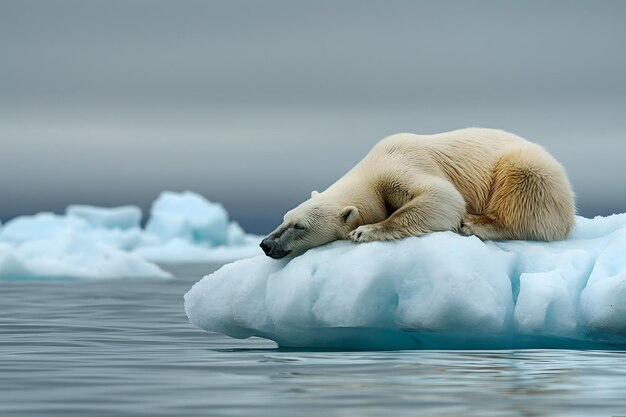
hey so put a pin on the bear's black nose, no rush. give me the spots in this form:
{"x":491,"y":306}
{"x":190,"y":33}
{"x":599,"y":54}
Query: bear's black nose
{"x":264,"y":245}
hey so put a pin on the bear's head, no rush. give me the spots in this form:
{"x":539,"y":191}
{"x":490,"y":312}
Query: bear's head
{"x":317,"y":221}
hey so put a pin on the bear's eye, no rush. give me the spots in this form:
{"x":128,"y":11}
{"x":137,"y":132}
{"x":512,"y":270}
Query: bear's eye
{"x":299,"y":226}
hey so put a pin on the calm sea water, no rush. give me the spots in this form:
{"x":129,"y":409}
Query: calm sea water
{"x":125,"y":348}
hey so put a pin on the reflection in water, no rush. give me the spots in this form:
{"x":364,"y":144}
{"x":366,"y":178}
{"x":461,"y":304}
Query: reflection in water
{"x":125,"y":348}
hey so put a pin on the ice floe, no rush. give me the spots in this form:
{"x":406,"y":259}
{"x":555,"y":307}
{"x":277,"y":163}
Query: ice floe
{"x":96,"y":242}
{"x":439,"y":291}
{"x":72,"y":255}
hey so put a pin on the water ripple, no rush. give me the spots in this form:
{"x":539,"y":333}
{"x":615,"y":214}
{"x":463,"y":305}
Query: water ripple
{"x":126,"y":348}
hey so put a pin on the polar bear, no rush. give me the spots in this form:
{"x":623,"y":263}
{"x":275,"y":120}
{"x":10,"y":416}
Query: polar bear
{"x":483,"y":182}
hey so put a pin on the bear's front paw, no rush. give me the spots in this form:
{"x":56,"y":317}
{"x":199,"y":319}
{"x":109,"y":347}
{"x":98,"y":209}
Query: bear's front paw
{"x":366,"y":233}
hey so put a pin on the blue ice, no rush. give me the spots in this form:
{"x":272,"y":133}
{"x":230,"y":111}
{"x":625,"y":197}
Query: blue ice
{"x":123,"y":217}
{"x":439,"y":291}
{"x":95,"y":242}
{"x":185,"y":227}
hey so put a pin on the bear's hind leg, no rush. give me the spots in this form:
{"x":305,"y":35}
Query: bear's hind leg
{"x":483,"y":227}
{"x":530,"y":199}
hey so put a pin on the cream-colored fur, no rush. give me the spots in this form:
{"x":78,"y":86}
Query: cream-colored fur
{"x":483,"y":182}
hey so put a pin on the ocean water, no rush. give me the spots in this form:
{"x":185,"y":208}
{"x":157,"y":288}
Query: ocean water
{"x":125,"y":348}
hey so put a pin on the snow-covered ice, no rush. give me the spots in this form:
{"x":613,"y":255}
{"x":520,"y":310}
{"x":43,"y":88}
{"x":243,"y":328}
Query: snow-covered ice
{"x":96,"y":242}
{"x":438,"y":291}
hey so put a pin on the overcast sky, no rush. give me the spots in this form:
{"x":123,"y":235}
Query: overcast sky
{"x":254,"y":104}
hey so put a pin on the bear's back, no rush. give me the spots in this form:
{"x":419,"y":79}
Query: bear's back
{"x":466,"y":157}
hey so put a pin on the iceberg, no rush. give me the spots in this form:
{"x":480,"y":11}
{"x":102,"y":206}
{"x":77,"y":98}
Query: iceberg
{"x":97,"y":242}
{"x":40,"y":226}
{"x":190,"y":217}
{"x":187,"y":228}
{"x":45,"y":226}
{"x":438,"y":291}
{"x":124,"y":217}
{"x":72,"y":255}
{"x":181,"y":251}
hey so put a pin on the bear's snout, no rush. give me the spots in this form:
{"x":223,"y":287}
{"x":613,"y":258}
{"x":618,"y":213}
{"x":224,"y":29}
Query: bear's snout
{"x":272,"y":249}
{"x":265,"y":246}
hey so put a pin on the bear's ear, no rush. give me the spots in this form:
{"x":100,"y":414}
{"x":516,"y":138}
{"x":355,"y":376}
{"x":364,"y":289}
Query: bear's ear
{"x":349,"y":214}
{"x":314,"y":193}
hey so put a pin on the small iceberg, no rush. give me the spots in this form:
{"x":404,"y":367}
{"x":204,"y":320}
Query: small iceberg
{"x":439,"y":291}
{"x":72,"y":255}
{"x":95,"y":242}
{"x":187,"y":228}
{"x":124,"y":217}
{"x":188,"y":216}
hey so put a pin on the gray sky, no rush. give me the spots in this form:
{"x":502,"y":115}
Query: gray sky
{"x":254,"y":104}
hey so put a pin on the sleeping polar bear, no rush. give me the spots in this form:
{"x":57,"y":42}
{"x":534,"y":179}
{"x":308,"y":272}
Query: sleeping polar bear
{"x":483,"y":182}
